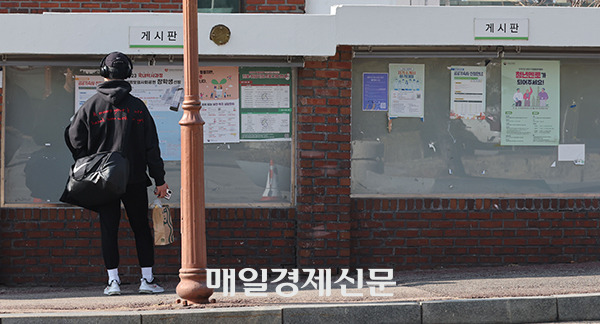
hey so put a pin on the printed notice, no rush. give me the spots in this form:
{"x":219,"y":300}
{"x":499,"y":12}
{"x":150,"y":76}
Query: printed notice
{"x":375,"y":92}
{"x":266,"y":96}
{"x":266,"y":103}
{"x":572,"y":152}
{"x":406,"y":84}
{"x":85,"y":88}
{"x":467,"y":97}
{"x":530,"y":102}
{"x":265,"y":123}
{"x":161,"y":89}
{"x":219,"y":95}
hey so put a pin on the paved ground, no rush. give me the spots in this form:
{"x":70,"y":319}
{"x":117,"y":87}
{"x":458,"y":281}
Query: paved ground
{"x":443,"y":285}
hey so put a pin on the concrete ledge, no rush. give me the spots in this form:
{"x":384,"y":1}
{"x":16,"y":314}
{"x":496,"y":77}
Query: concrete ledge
{"x":73,"y":318}
{"x":495,"y":310}
{"x":406,"y":312}
{"x":249,"y":315}
{"x":578,"y":307}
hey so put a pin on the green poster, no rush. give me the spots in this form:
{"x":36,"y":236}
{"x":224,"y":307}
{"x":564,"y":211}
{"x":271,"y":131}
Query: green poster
{"x":530,"y":102}
{"x":265,"y":103}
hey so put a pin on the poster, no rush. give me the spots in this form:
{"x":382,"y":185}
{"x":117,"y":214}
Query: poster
{"x":219,"y":95}
{"x":530,"y":102}
{"x":572,"y":152}
{"x":467,"y":95}
{"x":406,"y":84}
{"x":161,"y":89}
{"x":375,"y":92}
{"x":265,"y":103}
{"x":85,"y":88}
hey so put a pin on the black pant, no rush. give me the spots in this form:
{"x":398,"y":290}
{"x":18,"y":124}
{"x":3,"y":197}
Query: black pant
{"x":135,"y":201}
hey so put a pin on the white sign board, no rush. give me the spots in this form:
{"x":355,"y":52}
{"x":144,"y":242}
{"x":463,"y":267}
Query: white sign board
{"x":160,"y":37}
{"x":502,"y":28}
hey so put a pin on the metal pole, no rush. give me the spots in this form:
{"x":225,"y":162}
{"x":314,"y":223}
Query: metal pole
{"x":192,"y":286}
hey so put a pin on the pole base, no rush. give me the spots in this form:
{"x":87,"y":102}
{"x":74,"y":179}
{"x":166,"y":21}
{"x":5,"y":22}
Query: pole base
{"x":192,"y":286}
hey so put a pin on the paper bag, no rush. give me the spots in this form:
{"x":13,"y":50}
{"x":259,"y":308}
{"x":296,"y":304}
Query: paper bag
{"x":163,"y":225}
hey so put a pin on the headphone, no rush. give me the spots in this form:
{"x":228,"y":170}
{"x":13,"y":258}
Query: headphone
{"x":112,"y":72}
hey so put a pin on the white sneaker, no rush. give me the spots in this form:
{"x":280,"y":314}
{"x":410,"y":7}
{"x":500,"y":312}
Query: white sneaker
{"x":112,"y":288}
{"x":150,"y":287}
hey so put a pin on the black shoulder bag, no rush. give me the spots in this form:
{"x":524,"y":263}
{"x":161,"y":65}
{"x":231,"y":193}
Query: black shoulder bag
{"x":97,"y":179}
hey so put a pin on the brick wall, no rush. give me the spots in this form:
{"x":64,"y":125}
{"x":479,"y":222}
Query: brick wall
{"x":323,"y":143}
{"x":36,"y":6}
{"x":62,"y":246}
{"x":430,"y":233}
{"x":274,"y":6}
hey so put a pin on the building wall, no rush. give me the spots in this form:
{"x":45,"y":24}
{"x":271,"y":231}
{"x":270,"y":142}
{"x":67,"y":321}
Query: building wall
{"x":323,"y":182}
{"x":35,"y":6}
{"x":432,"y":233}
{"x":62,"y":246}
{"x":327,"y":228}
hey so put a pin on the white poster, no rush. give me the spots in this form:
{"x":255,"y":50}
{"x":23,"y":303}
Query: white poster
{"x":406,"y":84}
{"x":467,"y":94}
{"x":265,"y":103}
{"x":161,"y":89}
{"x":266,"y":96}
{"x":265,"y":123}
{"x":219,"y":95}
{"x":572,"y":152}
{"x":530,"y":102}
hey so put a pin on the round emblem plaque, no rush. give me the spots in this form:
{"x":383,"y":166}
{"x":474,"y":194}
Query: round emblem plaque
{"x":220,"y":34}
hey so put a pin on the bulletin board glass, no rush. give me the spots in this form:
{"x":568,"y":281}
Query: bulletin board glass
{"x":442,"y":155}
{"x":40,"y":99}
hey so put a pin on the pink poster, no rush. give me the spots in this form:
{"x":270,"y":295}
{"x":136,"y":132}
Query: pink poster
{"x":219,"y":95}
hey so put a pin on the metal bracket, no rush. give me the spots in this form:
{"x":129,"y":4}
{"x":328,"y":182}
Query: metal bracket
{"x":500,"y":52}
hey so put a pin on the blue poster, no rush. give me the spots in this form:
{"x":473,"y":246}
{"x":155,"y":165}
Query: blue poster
{"x":169,"y":133}
{"x":375,"y":92}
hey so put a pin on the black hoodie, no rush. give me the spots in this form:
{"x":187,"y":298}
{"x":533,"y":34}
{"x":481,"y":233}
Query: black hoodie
{"x":114,"y":120}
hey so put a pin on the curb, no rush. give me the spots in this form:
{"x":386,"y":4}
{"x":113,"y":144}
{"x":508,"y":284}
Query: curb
{"x":579,"y":307}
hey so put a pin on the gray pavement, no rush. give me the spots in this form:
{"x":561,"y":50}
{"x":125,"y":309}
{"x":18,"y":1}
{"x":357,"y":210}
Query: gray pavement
{"x":510,"y":294}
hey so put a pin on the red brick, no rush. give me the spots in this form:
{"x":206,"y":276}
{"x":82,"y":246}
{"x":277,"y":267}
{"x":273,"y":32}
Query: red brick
{"x":315,"y":64}
{"x":327,"y":74}
{"x":9,"y":4}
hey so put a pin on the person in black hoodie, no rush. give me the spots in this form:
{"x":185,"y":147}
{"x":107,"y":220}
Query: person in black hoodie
{"x":114,"y":120}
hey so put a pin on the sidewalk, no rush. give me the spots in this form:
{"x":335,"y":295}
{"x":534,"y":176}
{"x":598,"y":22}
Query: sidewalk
{"x":511,"y":294}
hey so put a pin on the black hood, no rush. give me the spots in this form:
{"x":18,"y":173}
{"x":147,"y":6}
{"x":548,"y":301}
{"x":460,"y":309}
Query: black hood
{"x":114,"y":91}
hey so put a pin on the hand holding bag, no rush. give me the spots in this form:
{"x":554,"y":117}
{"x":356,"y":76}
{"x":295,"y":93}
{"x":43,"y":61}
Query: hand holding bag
{"x":162,"y":223}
